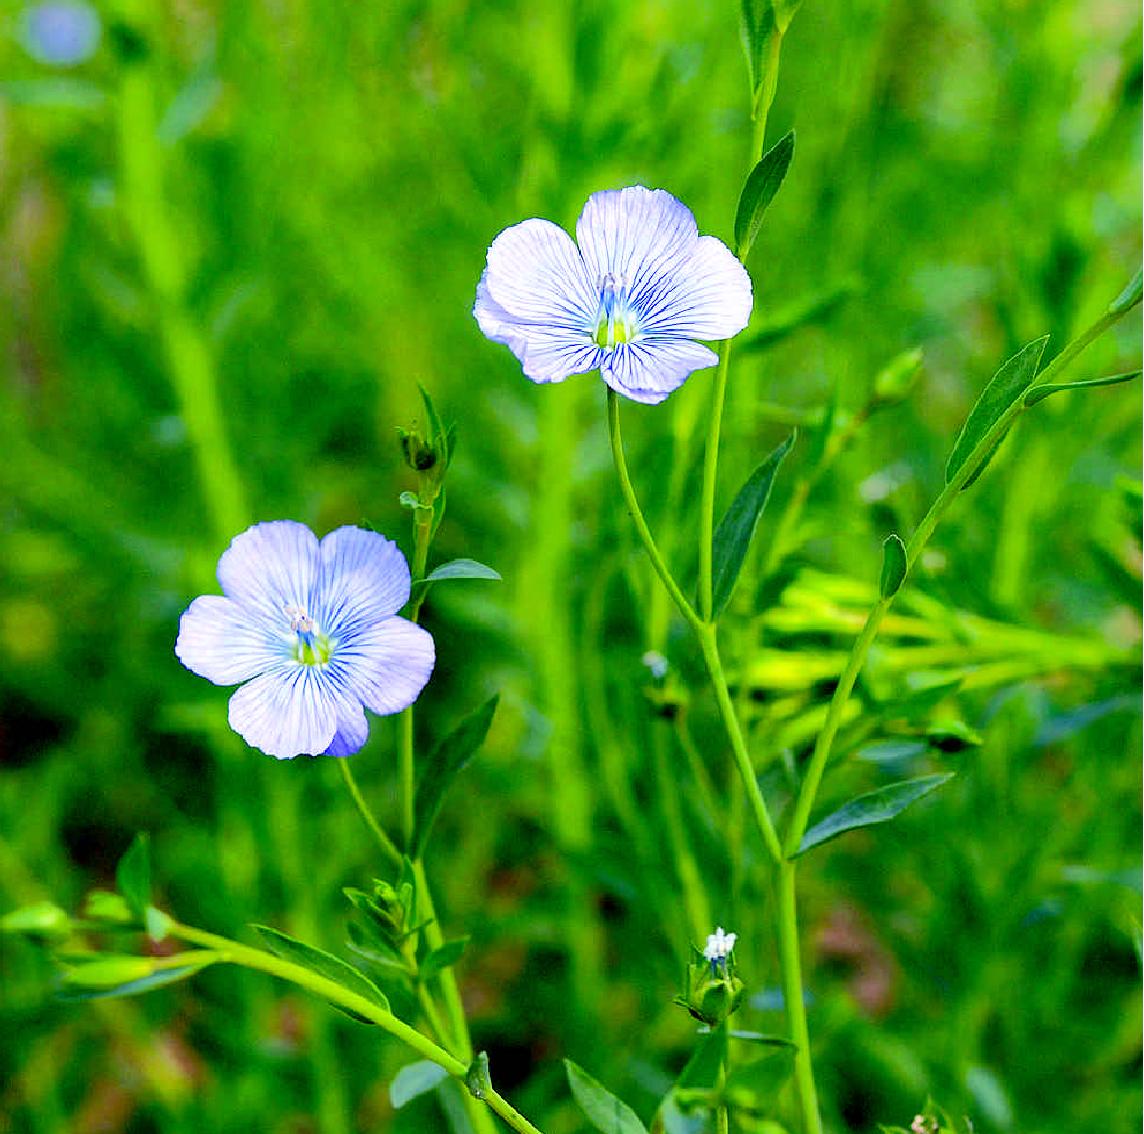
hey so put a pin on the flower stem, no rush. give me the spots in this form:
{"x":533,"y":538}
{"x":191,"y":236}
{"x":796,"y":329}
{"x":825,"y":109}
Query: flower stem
{"x":710,"y":476}
{"x":644,"y":532}
{"x":234,"y":953}
{"x":383,"y":840}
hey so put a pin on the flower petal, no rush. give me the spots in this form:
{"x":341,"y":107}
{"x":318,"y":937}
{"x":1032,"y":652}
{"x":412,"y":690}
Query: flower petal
{"x":227,"y":643}
{"x":271,"y":566}
{"x":536,"y":275}
{"x":353,"y":730}
{"x":364,"y":578}
{"x":285,"y":712}
{"x":706,"y":295}
{"x":648,"y":370}
{"x":635,"y":234}
{"x":547,"y":354}
{"x":385,"y":666}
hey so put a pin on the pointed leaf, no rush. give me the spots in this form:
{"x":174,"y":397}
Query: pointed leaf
{"x":737,"y":528}
{"x":461,"y":569}
{"x":874,"y":807}
{"x":1130,"y":296}
{"x":1009,"y":383}
{"x":759,"y":191}
{"x":447,"y":759}
{"x":415,"y":1079}
{"x":1040,"y":393}
{"x":326,"y":965}
{"x":893,"y":565}
{"x":602,"y":1109}
{"x":705,"y":1066}
{"x":133,"y":876}
{"x":110,"y":976}
{"x":442,"y":958}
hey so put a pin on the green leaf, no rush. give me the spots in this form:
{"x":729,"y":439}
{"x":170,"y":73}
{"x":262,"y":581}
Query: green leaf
{"x":415,"y":1079}
{"x":874,"y":807}
{"x":602,"y":1109}
{"x":442,"y":958}
{"x":447,"y":759}
{"x":705,"y":1066}
{"x":436,"y":428}
{"x":461,"y":569}
{"x":103,"y":905}
{"x":1040,"y":393}
{"x":756,"y":26}
{"x":133,"y":876}
{"x":1009,"y":383}
{"x":41,"y":919}
{"x":1130,"y":296}
{"x":753,"y":1085}
{"x":764,"y":1039}
{"x":325,"y":965}
{"x":759,"y":191}
{"x":737,"y":528}
{"x":894,"y":565}
{"x":110,"y":976}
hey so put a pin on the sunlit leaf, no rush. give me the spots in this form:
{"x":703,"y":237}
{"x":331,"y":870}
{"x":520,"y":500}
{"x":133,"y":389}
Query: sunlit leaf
{"x":602,"y":1109}
{"x":415,"y":1079}
{"x":759,"y":191}
{"x":1040,"y":393}
{"x":1009,"y":383}
{"x":737,"y":528}
{"x":446,"y":760}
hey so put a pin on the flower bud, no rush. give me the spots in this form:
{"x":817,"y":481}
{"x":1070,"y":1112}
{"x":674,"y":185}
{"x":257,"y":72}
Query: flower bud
{"x":43,"y":920}
{"x":895,"y":380}
{"x":714,"y":992}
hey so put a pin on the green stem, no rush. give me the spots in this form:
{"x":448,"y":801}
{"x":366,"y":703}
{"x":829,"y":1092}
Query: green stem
{"x":914,"y":548}
{"x":710,"y":476}
{"x":383,"y":840}
{"x":710,"y":648}
{"x":790,"y":964}
{"x":234,"y":953}
{"x":644,"y":532}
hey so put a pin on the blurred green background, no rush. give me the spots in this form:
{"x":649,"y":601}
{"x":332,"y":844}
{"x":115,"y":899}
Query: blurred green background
{"x":234,"y":237}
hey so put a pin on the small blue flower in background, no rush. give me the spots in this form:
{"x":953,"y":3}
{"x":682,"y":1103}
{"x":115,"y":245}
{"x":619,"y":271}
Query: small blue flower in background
{"x":312,"y":629}
{"x":61,"y":34}
{"x":629,"y":300}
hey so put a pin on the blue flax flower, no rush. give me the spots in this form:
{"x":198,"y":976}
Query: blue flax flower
{"x":628,"y":298}
{"x":312,"y":629}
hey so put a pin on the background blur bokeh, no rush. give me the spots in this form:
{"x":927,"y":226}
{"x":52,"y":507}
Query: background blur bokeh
{"x":234,"y":237}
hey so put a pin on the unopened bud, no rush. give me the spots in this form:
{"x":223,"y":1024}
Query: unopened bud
{"x":895,"y":380}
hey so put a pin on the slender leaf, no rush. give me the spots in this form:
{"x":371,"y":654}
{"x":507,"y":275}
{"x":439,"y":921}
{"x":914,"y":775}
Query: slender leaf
{"x":461,"y":569}
{"x":705,"y":1066}
{"x":759,"y":191}
{"x":446,"y":760}
{"x":894,"y":565}
{"x":602,"y":1109}
{"x":108,"y":976}
{"x":1040,"y":393}
{"x":1130,"y":296}
{"x":326,"y":965}
{"x":874,"y":807}
{"x":415,"y":1079}
{"x":1009,"y":383}
{"x":737,"y":528}
{"x":133,"y":876}
{"x":442,"y":958}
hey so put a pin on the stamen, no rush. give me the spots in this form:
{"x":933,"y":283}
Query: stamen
{"x":616,"y":322}
{"x":300,"y":621}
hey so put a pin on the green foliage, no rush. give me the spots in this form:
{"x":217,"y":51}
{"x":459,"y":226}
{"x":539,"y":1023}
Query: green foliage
{"x":602,"y":1109}
{"x":870,"y":808}
{"x":1010,"y":382}
{"x":449,"y":758}
{"x":325,"y":965}
{"x":894,"y":565}
{"x":737,"y":529}
{"x":414,"y":1079}
{"x":280,"y":230}
{"x":763,"y":182}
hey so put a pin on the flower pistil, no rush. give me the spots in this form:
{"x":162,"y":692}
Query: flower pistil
{"x":616,"y":321}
